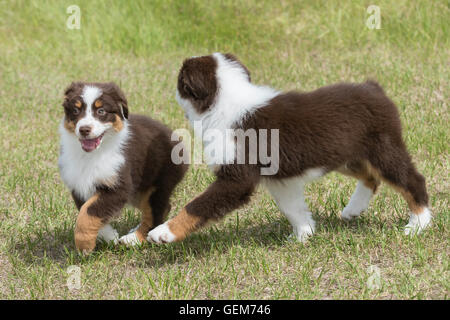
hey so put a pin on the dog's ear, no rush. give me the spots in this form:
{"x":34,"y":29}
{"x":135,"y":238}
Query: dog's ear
{"x":117,"y":94}
{"x":70,"y":90}
{"x":195,"y":89}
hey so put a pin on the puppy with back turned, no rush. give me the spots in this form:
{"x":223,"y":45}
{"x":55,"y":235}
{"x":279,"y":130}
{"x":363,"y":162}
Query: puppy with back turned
{"x":351,"y":128}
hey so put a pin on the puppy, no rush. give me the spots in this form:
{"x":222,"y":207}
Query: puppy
{"x":110,"y":158}
{"x":350,"y":128}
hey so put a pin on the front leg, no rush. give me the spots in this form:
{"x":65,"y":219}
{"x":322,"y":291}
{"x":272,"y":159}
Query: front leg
{"x":227,"y":193}
{"x":94,"y":215}
{"x":176,"y":229}
{"x":87,"y":227}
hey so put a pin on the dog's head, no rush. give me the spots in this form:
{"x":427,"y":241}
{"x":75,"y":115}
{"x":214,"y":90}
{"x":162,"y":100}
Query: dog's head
{"x":202,"y":79}
{"x":93,"y":111}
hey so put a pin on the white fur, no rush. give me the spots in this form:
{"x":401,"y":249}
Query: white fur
{"x":288,"y":194}
{"x":108,"y":234}
{"x":161,"y":234}
{"x":236,"y":99}
{"x":89,"y":95}
{"x":359,"y":201}
{"x":130,"y":239}
{"x":418,"y":222}
{"x":81,"y":170}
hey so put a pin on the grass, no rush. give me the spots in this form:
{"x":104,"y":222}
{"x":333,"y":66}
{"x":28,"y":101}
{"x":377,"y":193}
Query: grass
{"x":287,"y":45}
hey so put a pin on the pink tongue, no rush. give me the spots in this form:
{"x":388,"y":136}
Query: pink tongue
{"x":89,"y":145}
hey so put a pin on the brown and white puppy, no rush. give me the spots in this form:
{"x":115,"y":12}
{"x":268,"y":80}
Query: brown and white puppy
{"x":110,"y":158}
{"x":350,"y":128}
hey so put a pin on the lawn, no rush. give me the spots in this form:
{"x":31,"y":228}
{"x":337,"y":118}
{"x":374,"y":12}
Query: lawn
{"x":248,"y":255}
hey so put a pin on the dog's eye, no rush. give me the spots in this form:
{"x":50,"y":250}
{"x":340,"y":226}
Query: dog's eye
{"x":76,"y":111}
{"x":101,"y":112}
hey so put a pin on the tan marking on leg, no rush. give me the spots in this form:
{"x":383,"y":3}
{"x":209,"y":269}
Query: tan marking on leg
{"x":87,"y":227}
{"x":184,"y":224}
{"x":362,"y":171}
{"x":118,"y":124}
{"x":147,"y":216}
{"x":412,"y":204}
{"x":372,"y":178}
{"x":69,"y":125}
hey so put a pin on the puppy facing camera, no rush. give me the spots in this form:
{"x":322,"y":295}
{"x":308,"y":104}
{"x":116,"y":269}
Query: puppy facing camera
{"x":110,"y":158}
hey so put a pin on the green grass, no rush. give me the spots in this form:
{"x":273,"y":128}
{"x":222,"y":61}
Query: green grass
{"x":287,"y":45}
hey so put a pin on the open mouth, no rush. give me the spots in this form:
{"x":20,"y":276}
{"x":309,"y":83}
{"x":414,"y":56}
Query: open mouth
{"x":89,"y":145}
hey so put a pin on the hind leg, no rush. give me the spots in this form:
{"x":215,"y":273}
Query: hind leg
{"x":155,"y":205}
{"x":289,"y":197}
{"x":137,"y":235}
{"x":395,"y":166}
{"x":416,"y":196}
{"x":365,"y":188}
{"x":155,"y":208}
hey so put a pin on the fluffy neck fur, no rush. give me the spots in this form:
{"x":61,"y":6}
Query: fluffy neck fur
{"x":81,"y":171}
{"x":236,"y":99}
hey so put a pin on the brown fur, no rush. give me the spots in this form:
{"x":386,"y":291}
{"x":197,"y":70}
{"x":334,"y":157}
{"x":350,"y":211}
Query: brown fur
{"x":352,"y":128}
{"x":362,"y":170}
{"x":198,"y":80}
{"x":69,"y":125}
{"x":112,"y":100}
{"x":183,"y":224}
{"x":147,"y":178}
{"x":147,"y":217}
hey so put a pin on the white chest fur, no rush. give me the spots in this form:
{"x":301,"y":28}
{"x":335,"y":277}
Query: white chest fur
{"x":81,"y":171}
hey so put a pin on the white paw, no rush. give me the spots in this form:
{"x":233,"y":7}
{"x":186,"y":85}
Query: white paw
{"x":130,"y":239}
{"x":351,"y":212}
{"x":358,"y":202}
{"x":108,"y":234}
{"x":161,"y":234}
{"x":304,"y":231}
{"x":418,"y":222}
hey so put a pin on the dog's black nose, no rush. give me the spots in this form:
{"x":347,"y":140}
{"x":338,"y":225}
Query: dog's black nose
{"x":85,"y":130}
